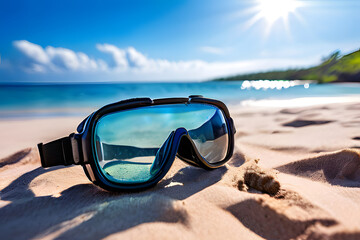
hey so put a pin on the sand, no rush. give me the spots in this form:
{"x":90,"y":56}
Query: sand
{"x":295,"y":174}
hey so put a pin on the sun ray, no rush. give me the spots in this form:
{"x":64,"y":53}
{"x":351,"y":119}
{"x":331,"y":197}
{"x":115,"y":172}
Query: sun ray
{"x":273,"y":11}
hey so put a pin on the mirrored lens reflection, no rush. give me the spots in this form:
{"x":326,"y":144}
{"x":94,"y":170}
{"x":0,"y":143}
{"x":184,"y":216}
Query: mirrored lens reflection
{"x":131,"y":145}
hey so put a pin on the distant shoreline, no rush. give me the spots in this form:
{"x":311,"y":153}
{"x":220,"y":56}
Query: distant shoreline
{"x":334,"y":68}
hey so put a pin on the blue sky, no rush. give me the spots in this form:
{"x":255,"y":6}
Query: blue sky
{"x":75,"y":41}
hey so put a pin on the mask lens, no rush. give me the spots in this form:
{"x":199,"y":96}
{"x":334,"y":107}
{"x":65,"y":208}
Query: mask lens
{"x":131,"y":145}
{"x":211,"y":138}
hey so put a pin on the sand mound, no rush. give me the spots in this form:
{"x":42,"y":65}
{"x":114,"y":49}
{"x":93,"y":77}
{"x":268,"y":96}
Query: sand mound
{"x":268,"y":222}
{"x":303,"y":123}
{"x":14,"y":158}
{"x":335,"y":236}
{"x":22,"y":157}
{"x":57,"y":217}
{"x":339,"y":168}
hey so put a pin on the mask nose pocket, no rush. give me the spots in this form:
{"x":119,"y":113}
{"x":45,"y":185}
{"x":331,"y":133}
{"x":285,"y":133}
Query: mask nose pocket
{"x":162,"y":154}
{"x":186,"y":151}
{"x":178,"y":143}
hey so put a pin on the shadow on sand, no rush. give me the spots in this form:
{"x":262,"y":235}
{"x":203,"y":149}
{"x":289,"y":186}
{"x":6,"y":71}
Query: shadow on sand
{"x":90,"y":212}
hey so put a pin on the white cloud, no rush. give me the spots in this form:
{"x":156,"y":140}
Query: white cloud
{"x":63,"y":58}
{"x":56,"y":59}
{"x":212,"y":50}
{"x":136,"y":58}
{"x":119,"y":55}
{"x":130,"y":64}
{"x":32,"y":51}
{"x":38,"y":68}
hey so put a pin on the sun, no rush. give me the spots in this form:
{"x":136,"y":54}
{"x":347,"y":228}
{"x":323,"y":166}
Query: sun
{"x":273,"y":11}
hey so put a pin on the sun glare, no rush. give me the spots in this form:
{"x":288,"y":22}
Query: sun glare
{"x":272,"y":11}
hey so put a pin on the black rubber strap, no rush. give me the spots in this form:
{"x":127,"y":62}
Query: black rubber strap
{"x":58,"y":152}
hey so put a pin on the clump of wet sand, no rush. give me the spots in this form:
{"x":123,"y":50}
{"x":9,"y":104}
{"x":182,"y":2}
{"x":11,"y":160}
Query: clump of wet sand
{"x":253,"y":176}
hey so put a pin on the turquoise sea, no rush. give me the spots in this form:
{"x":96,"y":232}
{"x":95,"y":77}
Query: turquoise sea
{"x":40,"y":100}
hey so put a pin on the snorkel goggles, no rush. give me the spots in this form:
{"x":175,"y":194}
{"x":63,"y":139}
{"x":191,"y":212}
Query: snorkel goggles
{"x":132,"y":144}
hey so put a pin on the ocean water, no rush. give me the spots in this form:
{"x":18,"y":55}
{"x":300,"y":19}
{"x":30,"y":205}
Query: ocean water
{"x":39,"y":100}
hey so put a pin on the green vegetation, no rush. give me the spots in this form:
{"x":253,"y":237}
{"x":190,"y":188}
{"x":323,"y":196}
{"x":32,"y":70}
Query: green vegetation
{"x":334,"y":68}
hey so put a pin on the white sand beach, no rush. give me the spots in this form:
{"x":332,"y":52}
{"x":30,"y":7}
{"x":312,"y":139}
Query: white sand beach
{"x":313,"y":152}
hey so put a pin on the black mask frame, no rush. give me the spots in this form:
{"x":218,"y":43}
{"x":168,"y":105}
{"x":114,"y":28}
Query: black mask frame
{"x":79,"y":148}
